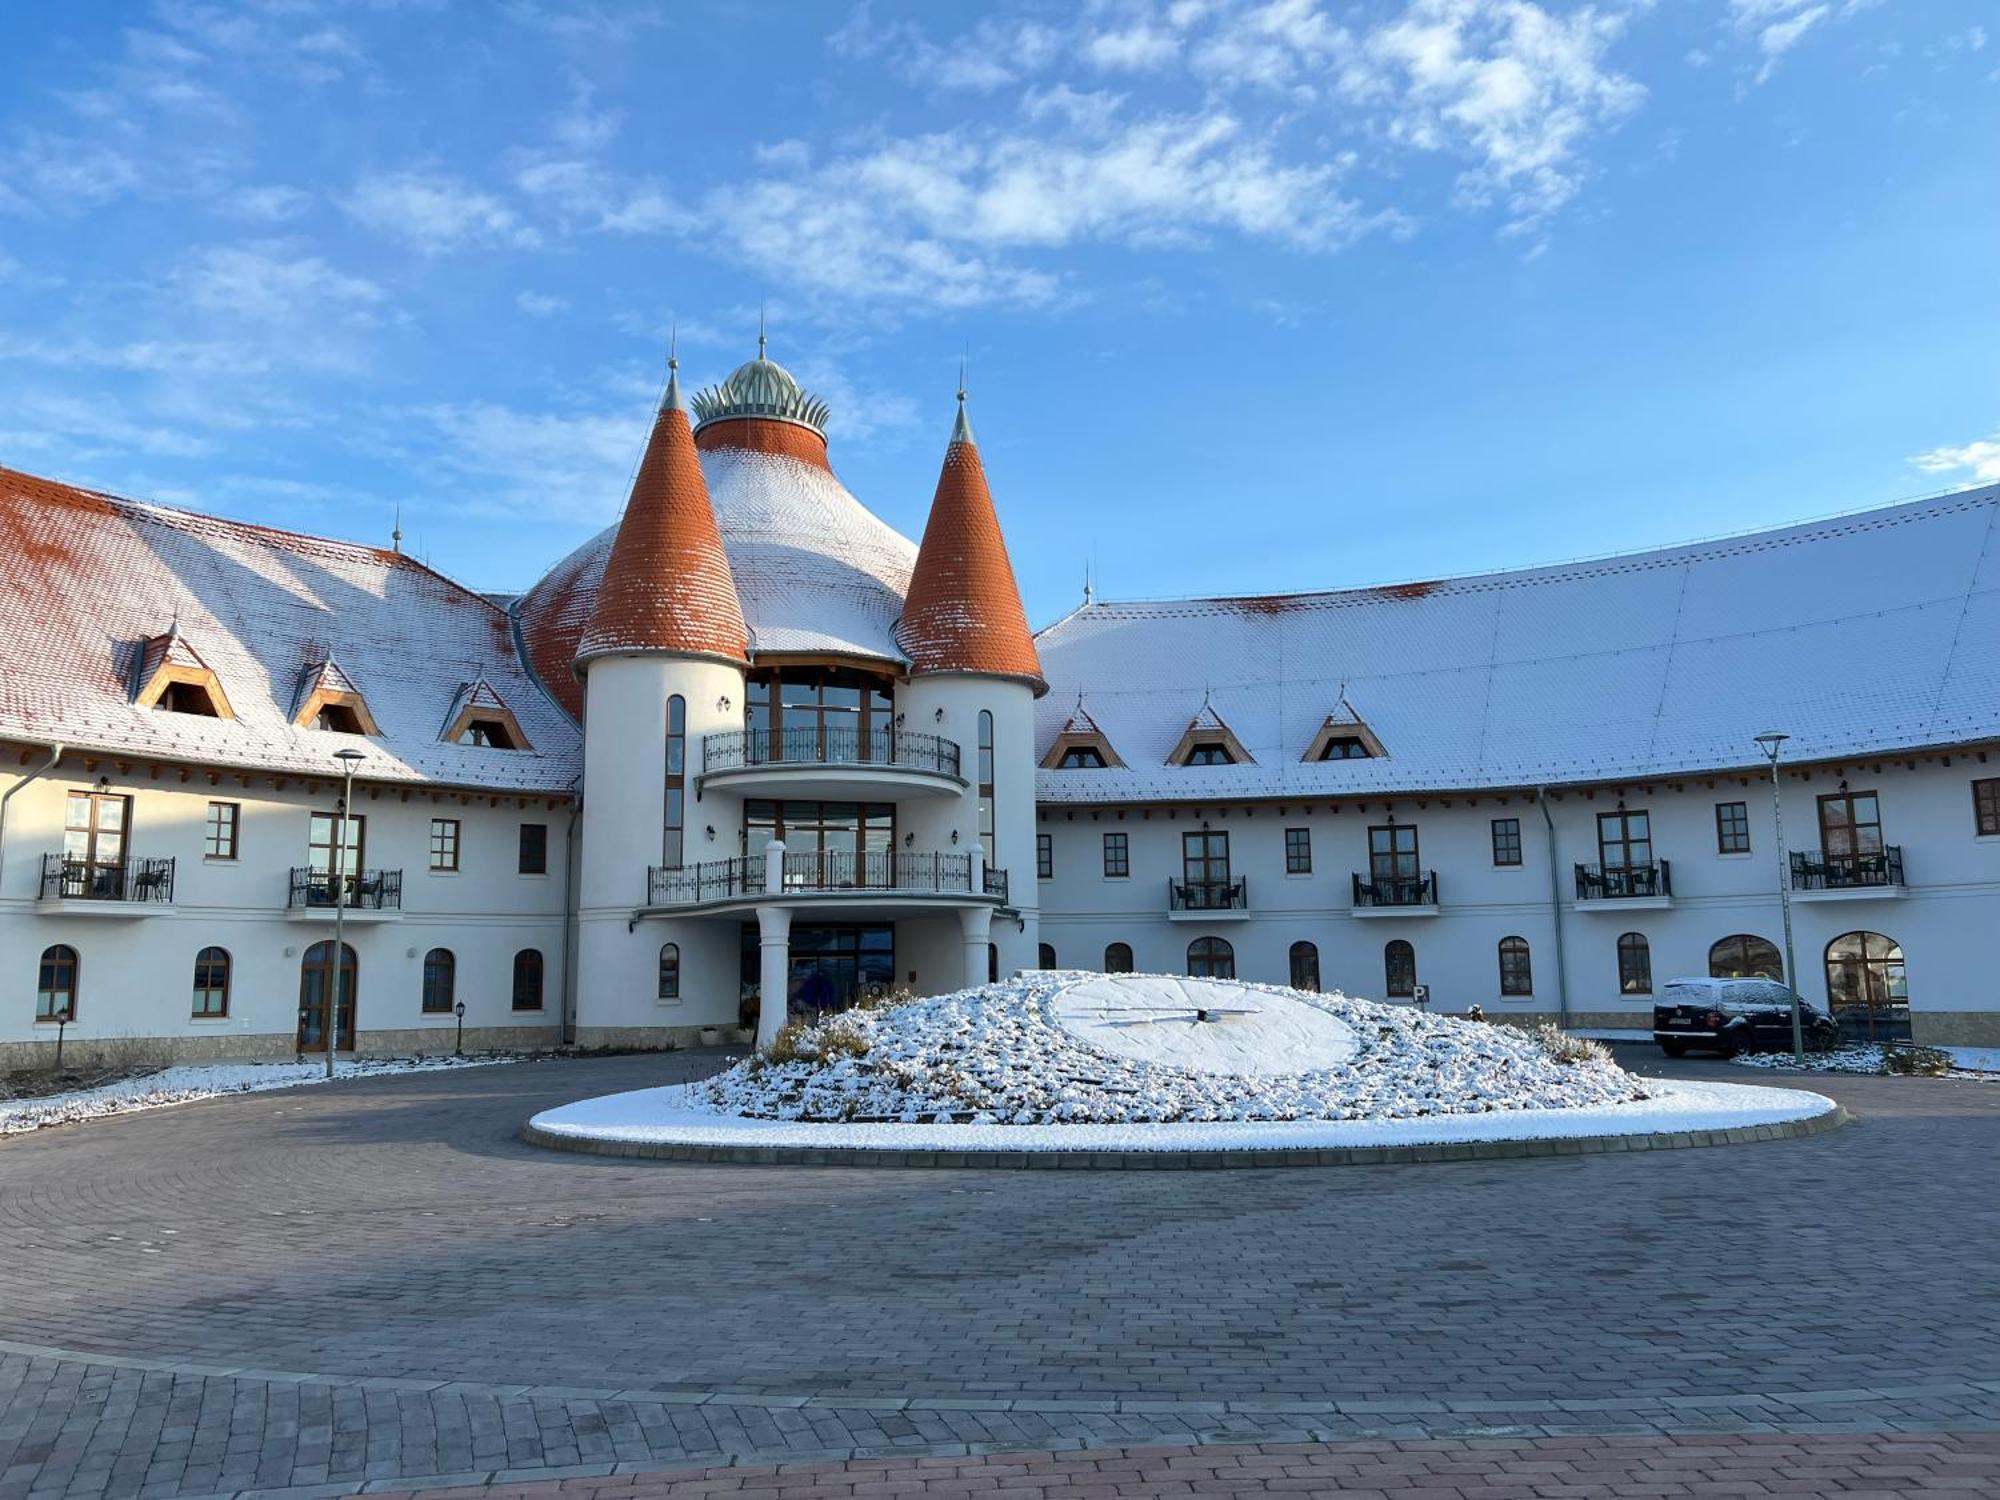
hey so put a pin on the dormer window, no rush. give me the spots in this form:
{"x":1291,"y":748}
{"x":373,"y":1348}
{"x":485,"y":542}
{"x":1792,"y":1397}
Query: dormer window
{"x":479,"y":718}
{"x":1208,"y":741}
{"x":1081,"y":758}
{"x":186,"y":698}
{"x":328,"y":699}
{"x":1343,"y":747}
{"x":1344,"y":736}
{"x":1211,"y":753}
{"x":338,"y":717}
{"x":170,"y":677}
{"x":1080,"y":746}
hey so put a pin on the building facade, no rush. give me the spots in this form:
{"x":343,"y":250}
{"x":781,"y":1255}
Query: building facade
{"x":749,"y":741}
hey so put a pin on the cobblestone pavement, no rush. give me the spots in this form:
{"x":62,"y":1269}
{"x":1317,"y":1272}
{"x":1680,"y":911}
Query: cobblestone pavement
{"x":374,"y":1283}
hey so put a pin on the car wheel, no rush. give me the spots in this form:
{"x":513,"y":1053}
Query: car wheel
{"x":1674,"y":1049}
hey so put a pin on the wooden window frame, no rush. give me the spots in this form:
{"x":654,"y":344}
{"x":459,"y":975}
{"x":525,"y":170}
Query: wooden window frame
{"x":1399,"y":981}
{"x":1732,"y":828}
{"x":1517,"y":967}
{"x":1852,"y":828}
{"x":1218,"y":950}
{"x":1298,"y":851}
{"x":199,"y":1010}
{"x":529,"y":961}
{"x":1116,"y":948}
{"x":444,"y":853}
{"x":1308,"y":951}
{"x":1986,"y":807}
{"x":426,"y":996}
{"x":1386,"y":864}
{"x":213,"y":844}
{"x":61,"y":954}
{"x":1045,"y":856}
{"x":1045,"y":956}
{"x":1635,"y":964}
{"x":670,"y":973}
{"x":1117,"y":856}
{"x":673,"y":830}
{"x":988,"y":804}
{"x":540,"y":864}
{"x":1502,"y":841}
{"x":1623,"y":840}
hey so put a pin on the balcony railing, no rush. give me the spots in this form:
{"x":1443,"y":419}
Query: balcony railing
{"x":1208,"y":895}
{"x":1623,"y":882}
{"x":67,"y":879}
{"x":1815,"y":870}
{"x":827,"y":745}
{"x":903,"y":872}
{"x":359,"y":890}
{"x":1396,"y":890}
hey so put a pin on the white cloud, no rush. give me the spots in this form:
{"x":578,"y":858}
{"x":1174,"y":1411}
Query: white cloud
{"x":64,"y":174}
{"x":588,"y":195}
{"x":1136,"y":49}
{"x":540,"y":304}
{"x":990,"y":56}
{"x":436,"y":213}
{"x":1777,"y":25}
{"x":75,"y":429}
{"x":578,"y":466}
{"x":1977,"y":462}
{"x":271,"y":282}
{"x":272,"y":203}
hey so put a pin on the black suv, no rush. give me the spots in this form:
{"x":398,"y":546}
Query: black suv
{"x":1735,"y":1015}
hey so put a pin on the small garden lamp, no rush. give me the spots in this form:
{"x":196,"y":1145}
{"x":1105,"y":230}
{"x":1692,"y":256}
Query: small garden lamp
{"x":1771,"y":742}
{"x":458,"y":1048}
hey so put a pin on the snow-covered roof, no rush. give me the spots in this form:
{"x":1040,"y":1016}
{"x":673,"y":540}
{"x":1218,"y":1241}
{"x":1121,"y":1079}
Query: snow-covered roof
{"x":86,"y":579}
{"x":1864,"y":633}
{"x":814,"y":569}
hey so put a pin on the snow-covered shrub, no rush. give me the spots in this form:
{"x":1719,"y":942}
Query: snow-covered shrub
{"x":1910,"y":1060}
{"x":1571,"y":1050}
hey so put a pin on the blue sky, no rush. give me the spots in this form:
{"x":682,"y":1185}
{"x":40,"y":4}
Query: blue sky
{"x":1258,"y":296}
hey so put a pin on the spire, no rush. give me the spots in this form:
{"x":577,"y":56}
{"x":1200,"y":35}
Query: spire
{"x":760,"y":331}
{"x":396,"y":536}
{"x":673,"y":400}
{"x":667,"y":585}
{"x":963,"y":610}
{"x":961,"y":430}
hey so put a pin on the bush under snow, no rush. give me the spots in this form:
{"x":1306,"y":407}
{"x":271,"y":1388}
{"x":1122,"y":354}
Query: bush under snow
{"x":997,"y":1055}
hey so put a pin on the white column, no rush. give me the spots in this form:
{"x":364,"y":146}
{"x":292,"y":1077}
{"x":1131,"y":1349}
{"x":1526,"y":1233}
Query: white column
{"x":976,"y":922}
{"x":774,"y":868}
{"x":774,"y":951}
{"x":978,"y":869}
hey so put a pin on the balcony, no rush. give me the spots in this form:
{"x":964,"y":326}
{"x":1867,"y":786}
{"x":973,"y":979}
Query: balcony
{"x":361,"y":896}
{"x":107,"y":888}
{"x":828,"y":880}
{"x":1625,"y":887}
{"x":1818,"y":876}
{"x":1208,"y":900}
{"x":832,"y":763}
{"x":1396,"y":895}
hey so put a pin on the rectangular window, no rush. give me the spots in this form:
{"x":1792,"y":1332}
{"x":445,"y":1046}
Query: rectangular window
{"x":673,"y":833}
{"x":1205,"y":861}
{"x":94,"y":828}
{"x":1624,"y":840}
{"x":1732,"y":828}
{"x":1045,"y":857}
{"x":1986,"y":806}
{"x":1117,"y":856}
{"x":534,"y":849}
{"x":219,"y":838}
{"x":1506,"y":841}
{"x":1850,"y":824}
{"x":444,"y":843}
{"x":1392,"y":853}
{"x":325,"y":835}
{"x":1298,"y":851}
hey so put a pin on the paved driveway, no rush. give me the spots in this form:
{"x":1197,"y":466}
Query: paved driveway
{"x":376,"y":1281}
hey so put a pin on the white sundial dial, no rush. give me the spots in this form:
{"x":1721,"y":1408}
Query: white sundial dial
{"x":1205,"y":1025}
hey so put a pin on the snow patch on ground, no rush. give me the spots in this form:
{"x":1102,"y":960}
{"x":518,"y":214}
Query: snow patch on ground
{"x":1004,"y":1054}
{"x":182,"y":1084}
{"x":680,"y":1115}
{"x":1967,"y":1062}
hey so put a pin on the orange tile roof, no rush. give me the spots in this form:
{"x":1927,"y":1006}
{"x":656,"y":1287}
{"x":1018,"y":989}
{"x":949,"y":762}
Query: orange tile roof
{"x":667,"y":585}
{"x":963,"y":610}
{"x":764,"y":435}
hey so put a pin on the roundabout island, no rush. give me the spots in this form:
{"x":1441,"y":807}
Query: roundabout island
{"x":1084,"y":1070}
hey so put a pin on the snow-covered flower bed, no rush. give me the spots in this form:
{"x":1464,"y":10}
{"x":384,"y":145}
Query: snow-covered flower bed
{"x":1963,"y":1062}
{"x":1018,"y":1053}
{"x":190,"y":1081}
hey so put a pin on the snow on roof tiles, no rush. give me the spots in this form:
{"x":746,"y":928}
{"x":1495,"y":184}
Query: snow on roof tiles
{"x":86,"y":577}
{"x":1865,"y":633}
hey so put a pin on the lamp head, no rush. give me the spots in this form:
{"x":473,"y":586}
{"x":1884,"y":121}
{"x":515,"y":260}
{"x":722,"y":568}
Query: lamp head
{"x":1771,"y":739}
{"x":349,"y":757}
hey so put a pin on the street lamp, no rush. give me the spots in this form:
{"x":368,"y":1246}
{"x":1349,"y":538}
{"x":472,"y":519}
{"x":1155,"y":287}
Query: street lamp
{"x":1771,"y":742}
{"x":348,"y":759}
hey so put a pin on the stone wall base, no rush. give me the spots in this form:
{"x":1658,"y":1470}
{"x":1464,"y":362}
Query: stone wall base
{"x":270,"y":1046}
{"x":1955,"y":1028}
{"x":658,"y":1038}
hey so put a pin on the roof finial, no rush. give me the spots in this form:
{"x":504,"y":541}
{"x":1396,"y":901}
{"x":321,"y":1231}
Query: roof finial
{"x":1089,"y":594}
{"x":672,"y":400}
{"x":396,"y":536}
{"x":760,"y":330}
{"x":961,"y":429}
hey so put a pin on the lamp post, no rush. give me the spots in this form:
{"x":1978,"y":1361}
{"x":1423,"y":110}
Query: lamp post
{"x":458,"y":1010}
{"x":348,"y":759}
{"x":1771,"y":742}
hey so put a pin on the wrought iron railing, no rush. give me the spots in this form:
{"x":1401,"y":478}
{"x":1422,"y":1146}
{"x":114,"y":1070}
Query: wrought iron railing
{"x":1396,"y":890}
{"x":809,"y":872}
{"x":357,"y":890}
{"x":828,"y":745}
{"x":1623,"y":882}
{"x":68,"y":879}
{"x":1815,"y":870}
{"x":1208,"y":895}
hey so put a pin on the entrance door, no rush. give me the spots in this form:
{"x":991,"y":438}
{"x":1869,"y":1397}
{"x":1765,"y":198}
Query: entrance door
{"x":832,"y":965}
{"x":315,"y":985}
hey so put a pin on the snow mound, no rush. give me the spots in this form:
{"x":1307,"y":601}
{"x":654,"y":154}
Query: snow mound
{"x":1072,"y":1048}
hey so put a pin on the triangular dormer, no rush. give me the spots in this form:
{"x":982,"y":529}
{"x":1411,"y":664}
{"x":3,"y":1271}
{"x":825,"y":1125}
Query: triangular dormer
{"x":480,"y":717}
{"x":172,"y":677}
{"x":328,"y":699}
{"x":1080,"y":746}
{"x":1344,"y":736}
{"x":1209,"y":742}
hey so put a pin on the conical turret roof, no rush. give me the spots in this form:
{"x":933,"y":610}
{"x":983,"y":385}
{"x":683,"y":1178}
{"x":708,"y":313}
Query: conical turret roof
{"x":667,"y":585}
{"x":963,"y":610}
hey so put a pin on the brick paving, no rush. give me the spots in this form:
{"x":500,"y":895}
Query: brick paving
{"x":376,"y":1285}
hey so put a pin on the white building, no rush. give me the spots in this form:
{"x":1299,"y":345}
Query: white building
{"x":750,"y":738}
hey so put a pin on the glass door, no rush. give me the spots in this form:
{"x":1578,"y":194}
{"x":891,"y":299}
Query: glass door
{"x":94,"y":827}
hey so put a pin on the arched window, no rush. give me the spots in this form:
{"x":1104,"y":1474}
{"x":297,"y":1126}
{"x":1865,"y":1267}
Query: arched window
{"x":1305,"y":967}
{"x":528,"y":979}
{"x":440,"y":981}
{"x":1635,"y":965}
{"x":55,"y":989}
{"x":1516,"y":976}
{"x":673,"y":840}
{"x":1866,"y":988}
{"x":1399,"y":969}
{"x":986,"y":781}
{"x":1211,"y":958}
{"x":1118,"y":958}
{"x":670,"y":971}
{"x":1045,"y":956}
{"x":317,"y":982}
{"x":992,"y":963}
{"x":211,"y":982}
{"x":1744,"y":956}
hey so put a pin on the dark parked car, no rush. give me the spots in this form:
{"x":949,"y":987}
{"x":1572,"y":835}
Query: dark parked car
{"x":1735,"y":1015}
